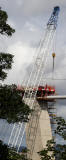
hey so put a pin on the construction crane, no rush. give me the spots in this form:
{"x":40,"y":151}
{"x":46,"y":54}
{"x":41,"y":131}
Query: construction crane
{"x":40,"y":61}
{"x":35,"y":78}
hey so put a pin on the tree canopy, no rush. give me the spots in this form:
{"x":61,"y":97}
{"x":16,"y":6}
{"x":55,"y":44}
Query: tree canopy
{"x":12,"y":108}
{"x":6,"y":61}
{"x":4,"y":27}
{"x":7,"y":153}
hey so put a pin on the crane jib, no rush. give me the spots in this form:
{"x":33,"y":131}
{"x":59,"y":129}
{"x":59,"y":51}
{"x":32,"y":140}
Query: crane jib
{"x":54,"y":18}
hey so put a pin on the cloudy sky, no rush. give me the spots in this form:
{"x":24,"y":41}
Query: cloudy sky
{"x":29,"y":18}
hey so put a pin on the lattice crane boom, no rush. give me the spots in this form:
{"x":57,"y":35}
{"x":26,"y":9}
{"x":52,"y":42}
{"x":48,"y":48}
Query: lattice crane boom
{"x":40,"y":61}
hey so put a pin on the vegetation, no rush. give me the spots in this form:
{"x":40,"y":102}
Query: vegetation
{"x":10,"y":154}
{"x":61,"y":127}
{"x":11,"y":106}
{"x":6,"y":61}
{"x":5,"y":28}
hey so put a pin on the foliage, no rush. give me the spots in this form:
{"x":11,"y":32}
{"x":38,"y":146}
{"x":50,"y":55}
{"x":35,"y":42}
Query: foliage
{"x":6,"y":61}
{"x":12,"y":108}
{"x":10,"y":154}
{"x":4,"y":27}
{"x":3,"y":151}
{"x":61,"y":127}
{"x":52,"y":149}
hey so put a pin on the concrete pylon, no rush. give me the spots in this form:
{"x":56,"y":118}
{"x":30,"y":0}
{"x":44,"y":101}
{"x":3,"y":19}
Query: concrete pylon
{"x":43,"y":131}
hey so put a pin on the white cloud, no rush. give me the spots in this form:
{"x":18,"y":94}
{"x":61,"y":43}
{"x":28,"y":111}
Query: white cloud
{"x":31,"y":27}
{"x":19,"y":2}
{"x":23,"y":52}
{"x":23,"y":56}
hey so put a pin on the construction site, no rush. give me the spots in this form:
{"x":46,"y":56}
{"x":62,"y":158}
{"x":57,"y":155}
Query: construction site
{"x":40,"y":97}
{"x":39,"y":128}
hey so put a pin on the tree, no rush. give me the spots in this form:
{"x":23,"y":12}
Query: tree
{"x":52,"y":149}
{"x":61,"y":127}
{"x":10,"y":154}
{"x":5,"y":28}
{"x":6,"y":61}
{"x":11,"y":106}
{"x":3,"y":151}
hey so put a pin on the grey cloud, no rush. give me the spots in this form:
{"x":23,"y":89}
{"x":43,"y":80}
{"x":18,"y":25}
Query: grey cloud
{"x":32,"y":7}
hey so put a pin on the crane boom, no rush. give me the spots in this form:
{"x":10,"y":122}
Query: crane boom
{"x":43,"y":50}
{"x":37,"y":74}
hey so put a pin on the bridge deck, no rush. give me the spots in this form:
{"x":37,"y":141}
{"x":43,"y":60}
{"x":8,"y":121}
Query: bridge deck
{"x":51,"y":98}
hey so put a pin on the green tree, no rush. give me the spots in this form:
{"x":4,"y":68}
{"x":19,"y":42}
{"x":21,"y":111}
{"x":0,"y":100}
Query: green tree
{"x":10,"y":154}
{"x":5,"y":28}
{"x":61,"y":127}
{"x":6,"y":61}
{"x":11,"y":106}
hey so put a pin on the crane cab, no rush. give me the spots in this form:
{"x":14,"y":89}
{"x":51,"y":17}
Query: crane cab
{"x":44,"y":91}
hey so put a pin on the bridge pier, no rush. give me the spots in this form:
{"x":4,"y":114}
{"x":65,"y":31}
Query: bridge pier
{"x":40,"y":133}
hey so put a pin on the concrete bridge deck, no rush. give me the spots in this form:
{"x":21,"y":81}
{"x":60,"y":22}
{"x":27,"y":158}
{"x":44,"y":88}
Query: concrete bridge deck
{"x":52,"y":97}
